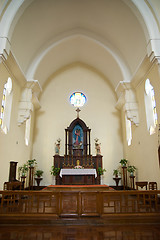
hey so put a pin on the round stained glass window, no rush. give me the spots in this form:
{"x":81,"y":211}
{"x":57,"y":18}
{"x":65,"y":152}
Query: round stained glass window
{"x":78,"y":99}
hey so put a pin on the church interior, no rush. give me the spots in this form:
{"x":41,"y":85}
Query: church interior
{"x":79,"y":119}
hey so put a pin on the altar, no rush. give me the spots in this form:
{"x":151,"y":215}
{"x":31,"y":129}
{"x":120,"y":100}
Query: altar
{"x":78,"y":176}
{"x":78,"y":149}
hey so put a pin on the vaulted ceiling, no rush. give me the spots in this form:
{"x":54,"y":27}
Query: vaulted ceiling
{"x":109,"y":35}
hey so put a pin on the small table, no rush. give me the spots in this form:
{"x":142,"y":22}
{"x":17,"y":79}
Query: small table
{"x":117,"y":179}
{"x":141,"y":184}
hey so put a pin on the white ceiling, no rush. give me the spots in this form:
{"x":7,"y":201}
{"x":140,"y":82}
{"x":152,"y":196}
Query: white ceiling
{"x":104,"y":34}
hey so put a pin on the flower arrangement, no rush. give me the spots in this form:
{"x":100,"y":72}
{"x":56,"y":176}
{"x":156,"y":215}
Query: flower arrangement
{"x":78,"y":167}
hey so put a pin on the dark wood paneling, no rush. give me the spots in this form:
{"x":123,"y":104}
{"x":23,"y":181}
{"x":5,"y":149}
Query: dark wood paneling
{"x":78,"y":179}
{"x":90,"y":204}
{"x":79,"y":203}
{"x":69,"y":204}
{"x":80,"y":215}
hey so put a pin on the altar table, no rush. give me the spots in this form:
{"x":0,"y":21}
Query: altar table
{"x":78,"y":176}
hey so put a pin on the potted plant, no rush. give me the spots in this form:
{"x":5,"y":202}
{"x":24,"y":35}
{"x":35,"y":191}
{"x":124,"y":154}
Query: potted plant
{"x":116,"y":172}
{"x":32,"y":162}
{"x":39,"y":174}
{"x":23,"y":170}
{"x":123,"y":162}
{"x":131,"y":170}
{"x":100,"y":171}
{"x":116,"y":178}
{"x":55,"y":171}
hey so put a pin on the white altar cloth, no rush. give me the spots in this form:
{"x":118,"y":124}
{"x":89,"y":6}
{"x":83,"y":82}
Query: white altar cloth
{"x":83,"y":171}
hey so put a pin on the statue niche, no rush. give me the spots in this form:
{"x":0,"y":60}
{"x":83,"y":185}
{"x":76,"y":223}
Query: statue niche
{"x":77,"y":139}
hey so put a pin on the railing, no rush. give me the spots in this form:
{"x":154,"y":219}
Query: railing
{"x":79,"y":203}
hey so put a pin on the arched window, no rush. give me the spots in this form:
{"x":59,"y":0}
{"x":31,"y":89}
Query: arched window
{"x":6,"y":106}
{"x":27,"y":131}
{"x":150,"y":104}
{"x":128,"y":131}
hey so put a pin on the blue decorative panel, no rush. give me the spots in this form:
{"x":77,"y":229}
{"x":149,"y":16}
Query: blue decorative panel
{"x":77,"y":135}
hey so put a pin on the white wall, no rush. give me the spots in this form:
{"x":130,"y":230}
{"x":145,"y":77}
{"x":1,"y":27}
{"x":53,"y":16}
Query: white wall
{"x":143,"y":152}
{"x":12,"y":144}
{"x":56,"y":114}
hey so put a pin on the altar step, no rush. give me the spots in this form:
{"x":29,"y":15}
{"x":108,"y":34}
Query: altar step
{"x":88,"y":188}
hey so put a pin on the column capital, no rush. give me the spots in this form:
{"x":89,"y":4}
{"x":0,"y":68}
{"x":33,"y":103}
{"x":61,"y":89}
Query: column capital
{"x":153,"y":50}
{"x":29,"y":100}
{"x":127,"y":101}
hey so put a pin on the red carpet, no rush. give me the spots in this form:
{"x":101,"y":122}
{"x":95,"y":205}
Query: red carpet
{"x":78,"y":185}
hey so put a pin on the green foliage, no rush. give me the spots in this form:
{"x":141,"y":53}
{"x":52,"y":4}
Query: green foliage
{"x":23,"y":169}
{"x":131,"y":169}
{"x":55,"y":171}
{"x":39,"y":173}
{"x":100,"y":171}
{"x":32,"y":162}
{"x":116,"y":172}
{"x":123,"y":162}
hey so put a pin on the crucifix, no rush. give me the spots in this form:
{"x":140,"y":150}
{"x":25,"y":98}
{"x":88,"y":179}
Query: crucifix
{"x":78,"y":110}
